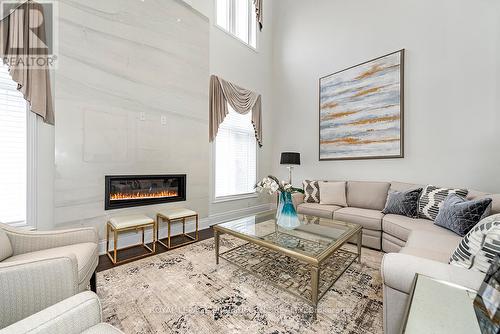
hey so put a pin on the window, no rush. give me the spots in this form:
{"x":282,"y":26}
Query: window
{"x":15,"y":124}
{"x":235,"y":156}
{"x":238,"y":18}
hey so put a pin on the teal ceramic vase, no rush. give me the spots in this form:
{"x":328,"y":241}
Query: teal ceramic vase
{"x":286,"y":215}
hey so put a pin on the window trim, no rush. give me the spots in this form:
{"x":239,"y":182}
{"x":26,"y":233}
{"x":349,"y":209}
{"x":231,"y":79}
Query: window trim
{"x":251,"y":14}
{"x":31,"y":169}
{"x":230,"y":198}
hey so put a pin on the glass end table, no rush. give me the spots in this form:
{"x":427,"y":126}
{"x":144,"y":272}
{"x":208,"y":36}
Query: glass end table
{"x":437,"y":306}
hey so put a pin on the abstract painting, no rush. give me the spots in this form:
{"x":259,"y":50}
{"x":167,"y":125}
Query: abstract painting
{"x":361,"y":110}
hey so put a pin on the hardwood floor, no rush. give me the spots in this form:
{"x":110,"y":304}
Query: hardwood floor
{"x":105,"y":263}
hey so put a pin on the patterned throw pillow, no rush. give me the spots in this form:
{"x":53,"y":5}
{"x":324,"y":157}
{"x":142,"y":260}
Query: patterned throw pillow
{"x":479,"y":247}
{"x":460,"y":215}
{"x":432,"y":198}
{"x":403,"y":203}
{"x":311,"y":191}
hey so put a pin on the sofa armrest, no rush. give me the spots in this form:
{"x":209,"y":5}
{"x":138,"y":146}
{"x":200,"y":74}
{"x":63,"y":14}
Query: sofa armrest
{"x":32,"y":241}
{"x":70,"y":316}
{"x":27,"y":287}
{"x":398,"y":272}
{"x":297,"y":198}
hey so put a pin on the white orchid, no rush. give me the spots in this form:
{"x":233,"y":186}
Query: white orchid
{"x":271,"y":185}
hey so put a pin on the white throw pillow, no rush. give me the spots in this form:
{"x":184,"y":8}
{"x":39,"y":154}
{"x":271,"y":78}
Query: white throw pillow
{"x":479,"y":247}
{"x":332,"y":193}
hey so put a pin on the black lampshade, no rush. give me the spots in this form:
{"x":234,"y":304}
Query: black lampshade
{"x":290,"y":158}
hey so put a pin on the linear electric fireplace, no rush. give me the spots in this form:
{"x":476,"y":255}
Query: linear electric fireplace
{"x":124,"y":191}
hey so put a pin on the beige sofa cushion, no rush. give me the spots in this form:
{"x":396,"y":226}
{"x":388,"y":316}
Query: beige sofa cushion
{"x":367,"y":195}
{"x":398,"y":271}
{"x":85,"y":253}
{"x":401,"y":226}
{"x":5,"y":246}
{"x":426,"y":254}
{"x":369,"y":219}
{"x":332,"y":193}
{"x":431,"y":245}
{"x":437,"y":242}
{"x":318,"y":210}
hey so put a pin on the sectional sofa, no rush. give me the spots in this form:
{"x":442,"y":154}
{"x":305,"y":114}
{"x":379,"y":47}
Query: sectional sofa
{"x":413,"y":245}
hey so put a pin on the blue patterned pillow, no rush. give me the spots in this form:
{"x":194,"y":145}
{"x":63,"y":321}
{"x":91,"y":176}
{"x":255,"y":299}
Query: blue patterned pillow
{"x":403,"y":203}
{"x":460,"y":215}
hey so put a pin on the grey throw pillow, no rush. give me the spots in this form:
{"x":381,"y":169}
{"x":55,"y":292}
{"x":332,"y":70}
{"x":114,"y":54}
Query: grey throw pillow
{"x":460,"y":215}
{"x":403,"y":203}
{"x":311,"y":191}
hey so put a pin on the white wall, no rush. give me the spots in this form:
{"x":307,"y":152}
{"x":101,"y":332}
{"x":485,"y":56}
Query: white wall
{"x":236,"y":62}
{"x":452,"y":84}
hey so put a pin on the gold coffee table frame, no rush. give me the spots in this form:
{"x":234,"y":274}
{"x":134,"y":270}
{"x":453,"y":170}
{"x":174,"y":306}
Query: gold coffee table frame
{"x":161,"y":218}
{"x":314,"y":262}
{"x":116,"y":231}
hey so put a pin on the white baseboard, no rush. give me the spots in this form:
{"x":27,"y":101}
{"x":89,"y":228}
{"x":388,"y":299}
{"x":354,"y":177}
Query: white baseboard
{"x":131,"y":238}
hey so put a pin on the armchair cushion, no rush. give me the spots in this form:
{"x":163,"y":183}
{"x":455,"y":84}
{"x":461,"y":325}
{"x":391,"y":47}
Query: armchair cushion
{"x":32,"y":241}
{"x":27,"y":287}
{"x":5,"y":246}
{"x":73,"y":315}
{"x":86,"y":255}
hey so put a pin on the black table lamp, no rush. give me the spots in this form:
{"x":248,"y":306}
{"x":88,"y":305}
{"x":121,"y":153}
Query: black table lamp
{"x":290,"y":158}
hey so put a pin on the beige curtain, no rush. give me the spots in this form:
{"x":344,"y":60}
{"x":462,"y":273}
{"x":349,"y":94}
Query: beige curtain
{"x":22,"y":48}
{"x":258,"y":11}
{"x":241,"y":100}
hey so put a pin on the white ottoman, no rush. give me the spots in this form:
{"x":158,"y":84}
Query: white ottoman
{"x":171,"y":216}
{"x":126,"y":223}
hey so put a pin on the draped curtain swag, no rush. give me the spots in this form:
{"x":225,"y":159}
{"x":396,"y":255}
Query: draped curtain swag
{"x":241,"y":100}
{"x":19,"y":45}
{"x":258,"y":11}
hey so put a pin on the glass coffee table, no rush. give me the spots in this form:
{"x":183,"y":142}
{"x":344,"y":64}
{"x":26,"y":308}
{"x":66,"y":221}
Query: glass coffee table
{"x":305,"y":261}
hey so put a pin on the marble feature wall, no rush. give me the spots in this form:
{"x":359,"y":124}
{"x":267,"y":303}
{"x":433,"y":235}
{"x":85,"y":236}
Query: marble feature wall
{"x":131,"y":94}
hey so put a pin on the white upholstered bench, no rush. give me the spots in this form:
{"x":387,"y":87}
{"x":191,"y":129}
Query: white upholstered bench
{"x":127,"y":223}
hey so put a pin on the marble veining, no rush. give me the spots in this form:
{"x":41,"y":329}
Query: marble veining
{"x":123,"y":65}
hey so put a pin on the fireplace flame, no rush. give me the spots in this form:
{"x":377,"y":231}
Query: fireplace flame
{"x":142,"y":195}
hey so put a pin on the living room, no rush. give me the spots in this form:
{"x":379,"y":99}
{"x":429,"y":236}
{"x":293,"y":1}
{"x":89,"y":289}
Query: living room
{"x":249,"y":166}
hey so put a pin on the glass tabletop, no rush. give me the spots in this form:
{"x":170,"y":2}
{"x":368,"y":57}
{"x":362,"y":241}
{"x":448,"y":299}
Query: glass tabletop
{"x":440,"y":307}
{"x":312,"y":237}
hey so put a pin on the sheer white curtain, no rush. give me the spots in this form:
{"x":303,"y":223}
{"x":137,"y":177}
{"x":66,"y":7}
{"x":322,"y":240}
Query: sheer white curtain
{"x":235,"y":156}
{"x":13,"y":151}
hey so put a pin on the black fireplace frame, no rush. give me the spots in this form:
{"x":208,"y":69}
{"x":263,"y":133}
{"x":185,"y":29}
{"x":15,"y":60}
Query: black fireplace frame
{"x":109,"y":205}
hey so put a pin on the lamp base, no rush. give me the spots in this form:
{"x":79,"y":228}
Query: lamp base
{"x":290,"y":168}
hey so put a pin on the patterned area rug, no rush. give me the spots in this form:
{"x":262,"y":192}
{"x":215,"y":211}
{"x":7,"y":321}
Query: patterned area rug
{"x":183,"y":291}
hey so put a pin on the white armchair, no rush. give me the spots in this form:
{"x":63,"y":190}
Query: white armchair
{"x":78,"y":314}
{"x":39,"y":269}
